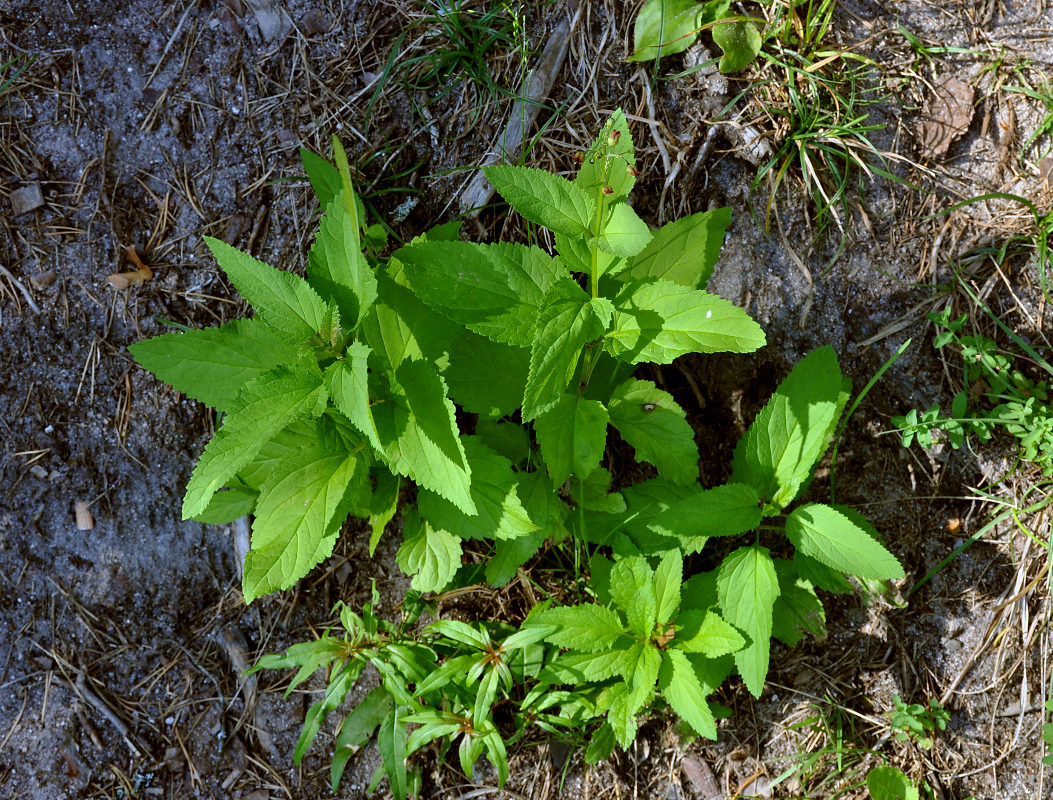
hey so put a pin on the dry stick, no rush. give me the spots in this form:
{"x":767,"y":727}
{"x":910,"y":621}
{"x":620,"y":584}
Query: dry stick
{"x":524,"y":112}
{"x":25,"y":292}
{"x":171,"y":41}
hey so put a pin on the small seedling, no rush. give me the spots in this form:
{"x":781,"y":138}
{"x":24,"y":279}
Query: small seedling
{"x":916,"y":722}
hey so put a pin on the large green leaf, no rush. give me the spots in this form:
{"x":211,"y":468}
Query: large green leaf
{"x":356,"y":730}
{"x":726,"y":510}
{"x":493,"y":289}
{"x":544,"y":198}
{"x":431,"y":556}
{"x":684,"y":251}
{"x":645,"y":502}
{"x":668,"y":577}
{"x":567,"y":322}
{"x":324,"y":177}
{"x":297,"y":520}
{"x":607,"y":164}
{"x":798,"y":610}
{"x":418,"y":428}
{"x":624,"y":234}
{"x":499,"y":514}
{"x":347,"y":382}
{"x":793,"y":430}
{"x":283,"y":300}
{"x":658,"y":320}
{"x":589,"y":627}
{"x":747,"y":587}
{"x":577,"y":668}
{"x":391,"y":742}
{"x":337,"y":267}
{"x":705,"y":632}
{"x":228,"y":505}
{"x":486,"y":377}
{"x":681,"y":689}
{"x":633,"y":590}
{"x":656,"y":426}
{"x":399,"y":326}
{"x":740,"y":40}
{"x":665,"y":27}
{"x":828,"y":536}
{"x":212,"y":364}
{"x":572,"y":435}
{"x":263,"y":407}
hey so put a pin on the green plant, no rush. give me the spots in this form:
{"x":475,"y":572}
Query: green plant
{"x":1015,"y":402}
{"x":889,"y":783}
{"x":344,"y":385}
{"x":666,"y":27}
{"x":917,"y":723}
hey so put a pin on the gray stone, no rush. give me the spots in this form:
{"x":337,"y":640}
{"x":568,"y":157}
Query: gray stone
{"x":26,"y":199}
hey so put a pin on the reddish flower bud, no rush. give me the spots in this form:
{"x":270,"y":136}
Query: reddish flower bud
{"x":579,"y":158}
{"x":608,"y":190}
{"x":613,"y":137}
{"x":633,"y":171}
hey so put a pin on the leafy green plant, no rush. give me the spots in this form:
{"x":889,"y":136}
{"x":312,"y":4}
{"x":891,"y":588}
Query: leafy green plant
{"x":997,"y":394}
{"x":666,"y":27}
{"x":1047,"y":737}
{"x":889,"y":783}
{"x":917,"y":723}
{"x":488,"y":375}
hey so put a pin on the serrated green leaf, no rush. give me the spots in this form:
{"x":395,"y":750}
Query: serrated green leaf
{"x":665,"y":27}
{"x":793,"y":430}
{"x":430,"y":556}
{"x":263,"y":407}
{"x":601,"y":745}
{"x":486,"y":377}
{"x":619,"y":716}
{"x":632,"y":588}
{"x":645,"y":661}
{"x":740,"y":40}
{"x":545,"y":510}
{"x":682,"y":690}
{"x":382,"y":506}
{"x":684,"y":251}
{"x":828,"y":536}
{"x":227,"y":505}
{"x":508,"y":439}
{"x":567,"y":322}
{"x":656,"y":426}
{"x":798,"y":610}
{"x":297,"y":521}
{"x":356,"y":730}
{"x":658,"y":321}
{"x":726,"y":510}
{"x":324,"y":177}
{"x":545,"y":199}
{"x":747,"y":587}
{"x":668,"y":577}
{"x":418,"y":429}
{"x":211,"y":365}
{"x":337,"y":267}
{"x":493,"y":289}
{"x":577,"y":668}
{"x":499,"y":514}
{"x":706,"y":633}
{"x":589,"y":627}
{"x":572,"y":435}
{"x":644,"y":502}
{"x":576,"y":256}
{"x":347,"y":382}
{"x":820,"y":575}
{"x":284,"y":301}
{"x":509,"y":555}
{"x":594,"y":493}
{"x":624,"y":234}
{"x":605,"y":164}
{"x":400,"y":327}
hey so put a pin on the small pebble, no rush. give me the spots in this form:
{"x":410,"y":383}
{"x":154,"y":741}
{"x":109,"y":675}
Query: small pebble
{"x":26,"y":199}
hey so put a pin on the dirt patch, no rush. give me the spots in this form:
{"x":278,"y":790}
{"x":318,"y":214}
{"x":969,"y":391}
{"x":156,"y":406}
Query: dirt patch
{"x":153,"y":125}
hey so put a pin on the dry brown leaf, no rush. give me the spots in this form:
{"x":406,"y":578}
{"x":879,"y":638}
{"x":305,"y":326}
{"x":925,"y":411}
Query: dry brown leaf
{"x":122,"y":280}
{"x":946,"y":115}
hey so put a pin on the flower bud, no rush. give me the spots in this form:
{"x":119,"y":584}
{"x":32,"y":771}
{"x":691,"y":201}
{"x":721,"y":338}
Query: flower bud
{"x":608,"y":190}
{"x":632,"y":171}
{"x":579,"y":158}
{"x":613,"y":137}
